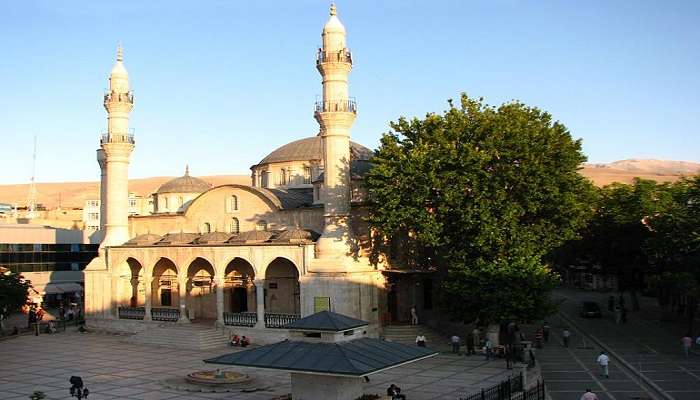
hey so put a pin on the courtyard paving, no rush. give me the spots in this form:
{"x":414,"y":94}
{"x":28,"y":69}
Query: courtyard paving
{"x":112,"y":369}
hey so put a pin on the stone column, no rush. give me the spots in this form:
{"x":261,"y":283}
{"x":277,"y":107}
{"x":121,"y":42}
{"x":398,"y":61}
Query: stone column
{"x":260,"y":306}
{"x":148,"y":298}
{"x":220,"y":301}
{"x":182,"y":298}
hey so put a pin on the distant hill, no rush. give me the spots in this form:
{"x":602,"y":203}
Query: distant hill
{"x":625,"y":171}
{"x":74,"y":194}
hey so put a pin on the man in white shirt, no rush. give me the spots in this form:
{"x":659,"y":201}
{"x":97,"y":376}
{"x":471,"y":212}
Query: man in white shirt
{"x":603,"y":361}
{"x":589,"y":395}
{"x":455,"y":344}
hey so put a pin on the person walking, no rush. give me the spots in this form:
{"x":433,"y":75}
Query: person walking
{"x":603,"y":360}
{"x":414,"y":316}
{"x":455,"y":344}
{"x":488,"y":349}
{"x":476,"y":332}
{"x":471,"y":349}
{"x":545,"y":331}
{"x":589,"y":395}
{"x":618,"y":315}
{"x":566,"y":335}
{"x":687,"y":341}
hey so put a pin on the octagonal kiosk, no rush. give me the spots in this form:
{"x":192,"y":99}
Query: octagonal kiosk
{"x":327,"y":354}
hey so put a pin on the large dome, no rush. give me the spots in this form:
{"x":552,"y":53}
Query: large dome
{"x":311,"y":148}
{"x":185,"y":184}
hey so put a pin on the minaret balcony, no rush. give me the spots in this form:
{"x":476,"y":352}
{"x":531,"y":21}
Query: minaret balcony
{"x":347,"y":105}
{"x":106,"y":137}
{"x":127,"y":97}
{"x":340,"y":56}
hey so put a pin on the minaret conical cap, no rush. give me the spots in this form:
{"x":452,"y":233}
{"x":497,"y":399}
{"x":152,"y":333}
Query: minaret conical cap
{"x":333,"y":24}
{"x":118,"y":70}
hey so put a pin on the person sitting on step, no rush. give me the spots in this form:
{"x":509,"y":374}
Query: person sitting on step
{"x":235,"y":341}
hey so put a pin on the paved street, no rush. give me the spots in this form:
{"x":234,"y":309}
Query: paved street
{"x":651,"y":348}
{"x":113,"y":369}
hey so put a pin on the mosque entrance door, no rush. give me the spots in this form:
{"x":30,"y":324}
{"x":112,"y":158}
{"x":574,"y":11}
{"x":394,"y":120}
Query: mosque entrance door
{"x":239,"y":300}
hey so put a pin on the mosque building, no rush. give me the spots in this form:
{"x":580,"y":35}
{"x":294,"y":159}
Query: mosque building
{"x":256,"y":256}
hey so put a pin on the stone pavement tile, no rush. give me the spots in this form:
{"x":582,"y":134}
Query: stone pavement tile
{"x":155,"y":395}
{"x":664,"y":375}
{"x":124,"y":391}
{"x":569,"y":395}
{"x":685,"y":395}
{"x":621,"y":386}
{"x":567,"y":376}
{"x":683,"y":385}
{"x":557,"y":386}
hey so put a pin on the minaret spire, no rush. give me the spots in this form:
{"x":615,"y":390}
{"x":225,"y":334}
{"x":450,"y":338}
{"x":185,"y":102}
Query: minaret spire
{"x":113,"y":156}
{"x":335,"y":115}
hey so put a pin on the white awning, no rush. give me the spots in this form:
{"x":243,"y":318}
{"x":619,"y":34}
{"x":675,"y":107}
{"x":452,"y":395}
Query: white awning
{"x":58,"y":288}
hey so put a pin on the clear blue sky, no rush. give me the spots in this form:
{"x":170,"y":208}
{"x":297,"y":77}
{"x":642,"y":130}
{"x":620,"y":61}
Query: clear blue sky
{"x":219,"y":84}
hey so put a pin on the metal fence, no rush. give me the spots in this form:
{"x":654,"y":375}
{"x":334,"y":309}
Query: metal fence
{"x":279,"y":320}
{"x":165,"y":314}
{"x":512,"y":388}
{"x":241,"y":319}
{"x":132,"y":312}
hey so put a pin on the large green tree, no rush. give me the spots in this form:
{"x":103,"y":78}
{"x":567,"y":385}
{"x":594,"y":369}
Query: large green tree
{"x":480,"y":193}
{"x":14,"y":291}
{"x":674,"y":245}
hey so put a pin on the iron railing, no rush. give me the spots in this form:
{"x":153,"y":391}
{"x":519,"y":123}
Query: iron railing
{"x":537,"y":392}
{"x":347,"y":105}
{"x":279,"y":320}
{"x":503,"y":390}
{"x":125,"y":97}
{"x":117,"y":138}
{"x":165,"y":314}
{"x":131,"y":312}
{"x":240,"y":319}
{"x":333,"y":56}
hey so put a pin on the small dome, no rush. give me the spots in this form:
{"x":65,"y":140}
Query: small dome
{"x":185,"y":184}
{"x":143,"y":240}
{"x":178,"y":238}
{"x":213,"y":237}
{"x":311,"y":148}
{"x":298,"y":235}
{"x":252,"y":236}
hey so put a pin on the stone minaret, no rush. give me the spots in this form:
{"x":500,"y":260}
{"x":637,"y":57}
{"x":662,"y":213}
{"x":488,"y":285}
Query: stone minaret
{"x":335,"y":114}
{"x":113,"y":157}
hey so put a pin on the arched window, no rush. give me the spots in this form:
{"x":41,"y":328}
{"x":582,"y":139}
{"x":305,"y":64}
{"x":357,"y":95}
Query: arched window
{"x":232,"y":204}
{"x":165,"y":204}
{"x":307,"y":174}
{"x":261,"y":225}
{"x":235,"y":225}
{"x":206,"y":228}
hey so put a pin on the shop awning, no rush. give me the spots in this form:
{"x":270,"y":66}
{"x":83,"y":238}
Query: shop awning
{"x":59,"y":288}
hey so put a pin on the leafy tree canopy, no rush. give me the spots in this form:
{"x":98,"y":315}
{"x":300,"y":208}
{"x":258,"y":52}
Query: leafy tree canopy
{"x":14,"y":291}
{"x":480,"y":191}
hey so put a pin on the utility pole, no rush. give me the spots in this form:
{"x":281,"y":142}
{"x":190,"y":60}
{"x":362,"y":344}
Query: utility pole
{"x":31,"y":197}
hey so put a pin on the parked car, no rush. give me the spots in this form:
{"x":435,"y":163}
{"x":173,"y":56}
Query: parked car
{"x":590,"y":309}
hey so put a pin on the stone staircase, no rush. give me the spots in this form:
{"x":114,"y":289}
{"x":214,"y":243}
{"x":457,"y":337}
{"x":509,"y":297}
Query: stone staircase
{"x":181,"y":336}
{"x":406,"y":334}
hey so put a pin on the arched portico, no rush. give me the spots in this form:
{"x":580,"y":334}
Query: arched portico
{"x":201,"y":287}
{"x":282,"y":294}
{"x":130,"y":290}
{"x":239,"y":287}
{"x":165,"y":290}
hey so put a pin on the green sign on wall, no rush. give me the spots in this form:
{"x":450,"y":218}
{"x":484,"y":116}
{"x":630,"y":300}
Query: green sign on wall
{"x":322,"y":304}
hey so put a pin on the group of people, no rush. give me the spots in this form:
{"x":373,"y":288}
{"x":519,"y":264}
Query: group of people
{"x":237,"y":341}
